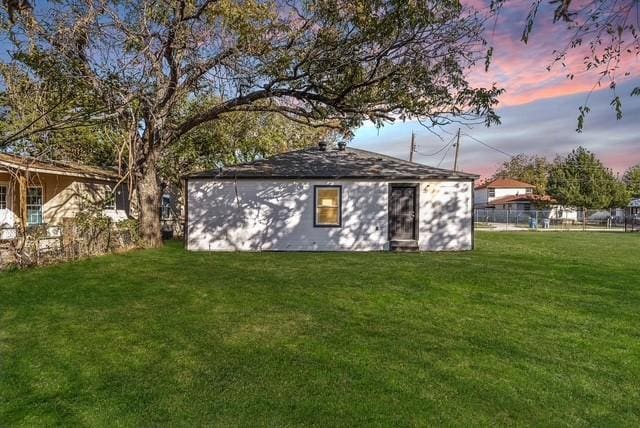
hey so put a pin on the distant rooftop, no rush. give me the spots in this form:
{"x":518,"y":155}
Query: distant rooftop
{"x":334,"y":164}
{"x":505,"y":183}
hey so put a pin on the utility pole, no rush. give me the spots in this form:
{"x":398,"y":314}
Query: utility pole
{"x":455,"y":162}
{"x":413,"y":146}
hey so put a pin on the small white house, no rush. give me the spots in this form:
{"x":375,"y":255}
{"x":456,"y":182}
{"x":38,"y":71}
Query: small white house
{"x":325,"y":199}
{"x":507,"y":194}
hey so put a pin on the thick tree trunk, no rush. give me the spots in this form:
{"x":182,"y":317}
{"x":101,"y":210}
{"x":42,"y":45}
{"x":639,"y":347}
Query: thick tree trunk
{"x":148,"y":189}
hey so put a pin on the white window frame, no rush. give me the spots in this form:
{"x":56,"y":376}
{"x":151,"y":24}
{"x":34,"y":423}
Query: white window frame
{"x":491,"y":192}
{"x":7,"y":198}
{"x":109,"y":199}
{"x":41,"y":205}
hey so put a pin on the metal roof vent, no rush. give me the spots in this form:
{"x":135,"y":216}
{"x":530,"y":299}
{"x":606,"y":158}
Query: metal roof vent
{"x":342,"y":146}
{"x":323,"y":146}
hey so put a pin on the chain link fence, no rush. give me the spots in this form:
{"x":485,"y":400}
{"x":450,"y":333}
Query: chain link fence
{"x":556,"y":219}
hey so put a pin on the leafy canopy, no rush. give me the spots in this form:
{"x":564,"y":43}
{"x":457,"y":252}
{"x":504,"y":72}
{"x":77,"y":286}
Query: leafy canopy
{"x":631,"y":179}
{"x":581,"y":180}
{"x":528,"y":168}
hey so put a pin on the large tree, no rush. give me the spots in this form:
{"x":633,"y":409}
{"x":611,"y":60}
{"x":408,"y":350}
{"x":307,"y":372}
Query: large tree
{"x":329,"y":61}
{"x":528,"y":168}
{"x":581,"y":180}
{"x":631,"y":179}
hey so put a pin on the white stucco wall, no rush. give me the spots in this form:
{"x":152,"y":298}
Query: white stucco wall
{"x":481,"y":196}
{"x":502,"y":192}
{"x":257,"y":215}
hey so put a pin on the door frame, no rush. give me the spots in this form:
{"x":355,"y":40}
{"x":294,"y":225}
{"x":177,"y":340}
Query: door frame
{"x":416,"y":208}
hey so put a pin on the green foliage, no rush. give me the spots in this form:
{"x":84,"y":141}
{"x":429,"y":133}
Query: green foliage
{"x":131,"y":227}
{"x":235,"y":138}
{"x":581,"y":180}
{"x":631,"y":179}
{"x":92,"y":221}
{"x":530,"y":169}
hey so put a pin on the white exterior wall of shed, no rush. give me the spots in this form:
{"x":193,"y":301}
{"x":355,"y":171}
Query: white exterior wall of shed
{"x":278,"y":215}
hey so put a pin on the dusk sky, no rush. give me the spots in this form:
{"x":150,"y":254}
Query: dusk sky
{"x":538,"y":111}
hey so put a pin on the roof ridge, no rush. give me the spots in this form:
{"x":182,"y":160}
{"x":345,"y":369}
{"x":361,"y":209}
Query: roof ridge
{"x":406,"y":161}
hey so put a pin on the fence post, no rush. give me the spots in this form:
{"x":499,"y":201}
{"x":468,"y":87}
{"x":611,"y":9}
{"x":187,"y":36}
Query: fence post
{"x":506,"y":225}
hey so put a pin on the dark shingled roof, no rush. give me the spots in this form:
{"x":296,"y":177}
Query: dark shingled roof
{"x":333,"y":164}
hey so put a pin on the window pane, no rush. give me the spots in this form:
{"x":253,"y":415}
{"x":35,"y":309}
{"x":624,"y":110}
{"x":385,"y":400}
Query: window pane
{"x":3,"y":197}
{"x":109,"y":199}
{"x":34,"y":205}
{"x":166,"y":207}
{"x":328,"y":215}
{"x":328,"y":206}
{"x":328,"y":197}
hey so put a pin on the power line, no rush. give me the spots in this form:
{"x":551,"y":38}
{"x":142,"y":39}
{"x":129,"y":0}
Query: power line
{"x":444,"y":156}
{"x":437,"y":151}
{"x":489,"y":146}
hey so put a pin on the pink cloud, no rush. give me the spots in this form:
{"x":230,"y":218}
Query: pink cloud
{"x":521,"y":69}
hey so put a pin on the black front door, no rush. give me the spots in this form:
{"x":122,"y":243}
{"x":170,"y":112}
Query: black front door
{"x":402,"y":212}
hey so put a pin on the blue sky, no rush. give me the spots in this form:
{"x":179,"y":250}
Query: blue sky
{"x":545,"y":127}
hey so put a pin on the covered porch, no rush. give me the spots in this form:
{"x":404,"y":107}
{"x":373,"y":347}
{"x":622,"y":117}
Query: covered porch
{"x":35,"y":193}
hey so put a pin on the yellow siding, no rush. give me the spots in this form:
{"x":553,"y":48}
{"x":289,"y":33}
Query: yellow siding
{"x":64,"y":196}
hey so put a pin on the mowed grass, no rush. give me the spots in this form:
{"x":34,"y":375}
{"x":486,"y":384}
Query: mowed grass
{"x":529,"y":329}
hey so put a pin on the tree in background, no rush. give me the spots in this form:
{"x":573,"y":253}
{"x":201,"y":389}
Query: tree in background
{"x":332,"y":62}
{"x":531,"y":169}
{"x":235,"y":138}
{"x":581,"y":180}
{"x":631,"y":179}
{"x":41,"y":104}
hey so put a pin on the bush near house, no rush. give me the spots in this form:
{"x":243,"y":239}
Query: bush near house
{"x":529,"y":329}
{"x":88,"y":234}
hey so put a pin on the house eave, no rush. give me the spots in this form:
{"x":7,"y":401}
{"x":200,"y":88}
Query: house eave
{"x":466,"y":177}
{"x":37,"y":170}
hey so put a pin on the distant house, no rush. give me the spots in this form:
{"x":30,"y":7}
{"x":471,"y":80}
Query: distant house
{"x":633,"y":209}
{"x":326,"y":199}
{"x":514,"y":195}
{"x":38,"y":192}
{"x":505,"y":193}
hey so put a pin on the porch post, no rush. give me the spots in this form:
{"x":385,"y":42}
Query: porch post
{"x":22,"y":200}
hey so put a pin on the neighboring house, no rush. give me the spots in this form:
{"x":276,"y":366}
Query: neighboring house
{"x":325,"y":199}
{"x":634,"y":207}
{"x":38,"y":192}
{"x":513,"y":195}
{"x":505,"y":193}
{"x":172,"y":211}
{"x":631,"y":210}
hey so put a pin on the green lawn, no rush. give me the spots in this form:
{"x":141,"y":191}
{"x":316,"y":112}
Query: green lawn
{"x":529,"y":329}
